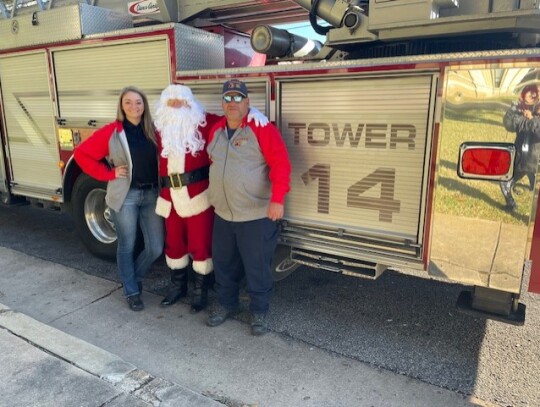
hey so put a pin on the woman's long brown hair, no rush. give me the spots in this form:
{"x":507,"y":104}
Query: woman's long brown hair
{"x":147,"y":122}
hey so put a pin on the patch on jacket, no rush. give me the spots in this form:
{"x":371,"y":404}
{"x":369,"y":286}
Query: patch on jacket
{"x":240,"y":141}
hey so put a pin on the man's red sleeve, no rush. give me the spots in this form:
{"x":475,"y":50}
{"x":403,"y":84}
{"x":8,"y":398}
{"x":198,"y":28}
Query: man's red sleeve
{"x":275,"y":153}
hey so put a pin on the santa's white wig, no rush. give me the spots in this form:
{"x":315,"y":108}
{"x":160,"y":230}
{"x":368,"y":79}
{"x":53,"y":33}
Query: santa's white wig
{"x":179,"y":126}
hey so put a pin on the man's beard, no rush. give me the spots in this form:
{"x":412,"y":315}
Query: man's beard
{"x":179,"y":128}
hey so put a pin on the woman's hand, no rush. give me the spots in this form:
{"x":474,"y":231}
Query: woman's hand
{"x":121,"y":171}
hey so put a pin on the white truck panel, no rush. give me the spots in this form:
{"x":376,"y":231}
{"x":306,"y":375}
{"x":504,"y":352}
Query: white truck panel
{"x":89,"y":79}
{"x":29,"y":117}
{"x":358,"y":148}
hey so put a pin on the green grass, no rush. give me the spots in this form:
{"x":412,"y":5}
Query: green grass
{"x":481,"y":199}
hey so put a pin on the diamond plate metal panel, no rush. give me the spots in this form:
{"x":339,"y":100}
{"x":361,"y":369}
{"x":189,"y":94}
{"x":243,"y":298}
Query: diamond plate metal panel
{"x":100,"y":20}
{"x":198,"y":49}
{"x":58,"y":25}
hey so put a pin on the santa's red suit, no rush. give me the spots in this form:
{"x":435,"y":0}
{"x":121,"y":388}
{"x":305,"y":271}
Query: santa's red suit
{"x":187,"y":212}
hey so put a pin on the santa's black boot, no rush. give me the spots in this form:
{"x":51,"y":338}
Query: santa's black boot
{"x":199,"y":299}
{"x":178,"y":288}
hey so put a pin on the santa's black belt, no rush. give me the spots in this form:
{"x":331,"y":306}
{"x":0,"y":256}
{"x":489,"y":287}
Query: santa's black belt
{"x":180,"y":180}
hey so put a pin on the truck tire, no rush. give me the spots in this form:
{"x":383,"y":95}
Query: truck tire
{"x":92,"y":218}
{"x":282,"y":265}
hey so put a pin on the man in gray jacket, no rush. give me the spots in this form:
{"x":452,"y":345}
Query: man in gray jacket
{"x":249,"y":178}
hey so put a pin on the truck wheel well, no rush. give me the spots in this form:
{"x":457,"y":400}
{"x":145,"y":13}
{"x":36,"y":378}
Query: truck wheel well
{"x":71,"y":174}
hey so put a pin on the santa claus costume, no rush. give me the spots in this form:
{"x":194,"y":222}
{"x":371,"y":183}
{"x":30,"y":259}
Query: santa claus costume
{"x":183,"y":127}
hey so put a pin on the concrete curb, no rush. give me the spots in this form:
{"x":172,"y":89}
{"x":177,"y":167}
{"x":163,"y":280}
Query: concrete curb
{"x":100,"y":363}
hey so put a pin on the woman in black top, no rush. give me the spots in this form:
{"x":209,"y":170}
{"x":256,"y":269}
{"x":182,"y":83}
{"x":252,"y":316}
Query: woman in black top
{"x":129,"y":146}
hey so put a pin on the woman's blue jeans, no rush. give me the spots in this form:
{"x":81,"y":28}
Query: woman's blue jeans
{"x":138,"y":210}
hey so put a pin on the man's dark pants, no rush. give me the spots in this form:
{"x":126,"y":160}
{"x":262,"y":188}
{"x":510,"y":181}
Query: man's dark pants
{"x":239,"y":247}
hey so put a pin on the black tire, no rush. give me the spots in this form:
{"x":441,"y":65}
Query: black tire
{"x":282,"y":265}
{"x":91,"y":217}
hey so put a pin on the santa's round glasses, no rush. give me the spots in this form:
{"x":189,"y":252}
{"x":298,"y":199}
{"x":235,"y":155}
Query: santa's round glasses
{"x":235,"y":98}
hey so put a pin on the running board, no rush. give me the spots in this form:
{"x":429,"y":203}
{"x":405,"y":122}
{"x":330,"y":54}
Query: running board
{"x":338,"y":264}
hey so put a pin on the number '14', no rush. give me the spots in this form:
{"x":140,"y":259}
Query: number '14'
{"x":385,"y":203}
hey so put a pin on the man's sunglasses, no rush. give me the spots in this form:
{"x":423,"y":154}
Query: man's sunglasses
{"x":236,"y":98}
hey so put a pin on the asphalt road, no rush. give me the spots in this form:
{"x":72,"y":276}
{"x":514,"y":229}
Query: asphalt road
{"x":404,"y":324}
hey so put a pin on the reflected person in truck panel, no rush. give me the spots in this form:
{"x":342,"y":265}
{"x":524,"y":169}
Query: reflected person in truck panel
{"x":522,"y":118}
{"x":130,"y":148}
{"x":249,"y":178}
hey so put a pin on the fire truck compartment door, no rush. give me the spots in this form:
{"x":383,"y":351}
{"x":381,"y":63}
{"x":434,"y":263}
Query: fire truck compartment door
{"x":359,"y":149}
{"x":31,"y":137}
{"x":89,"y":79}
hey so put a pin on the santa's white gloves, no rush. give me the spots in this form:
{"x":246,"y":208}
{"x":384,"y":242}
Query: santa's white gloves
{"x":259,"y":118}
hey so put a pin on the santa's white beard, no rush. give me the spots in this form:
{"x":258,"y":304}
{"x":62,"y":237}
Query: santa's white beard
{"x":179,"y":128}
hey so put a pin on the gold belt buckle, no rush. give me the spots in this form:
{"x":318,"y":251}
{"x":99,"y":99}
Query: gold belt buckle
{"x":172,"y":177}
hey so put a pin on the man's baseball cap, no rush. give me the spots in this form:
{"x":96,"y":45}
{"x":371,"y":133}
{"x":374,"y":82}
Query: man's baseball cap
{"x":235,"y":86}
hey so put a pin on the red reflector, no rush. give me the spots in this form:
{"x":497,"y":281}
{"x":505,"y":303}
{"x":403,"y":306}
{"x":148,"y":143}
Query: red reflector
{"x":486,"y":161}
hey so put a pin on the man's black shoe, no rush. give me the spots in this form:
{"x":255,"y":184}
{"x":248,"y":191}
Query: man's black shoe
{"x":258,"y":324}
{"x":220,"y":314}
{"x":135,"y":303}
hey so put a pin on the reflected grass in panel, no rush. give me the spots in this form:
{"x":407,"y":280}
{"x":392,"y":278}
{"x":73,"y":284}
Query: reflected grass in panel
{"x":482,"y":199}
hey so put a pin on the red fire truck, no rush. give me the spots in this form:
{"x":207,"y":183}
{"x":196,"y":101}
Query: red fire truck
{"x":395,"y":123}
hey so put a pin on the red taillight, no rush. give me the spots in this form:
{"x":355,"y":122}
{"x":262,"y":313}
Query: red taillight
{"x":486,"y":161}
